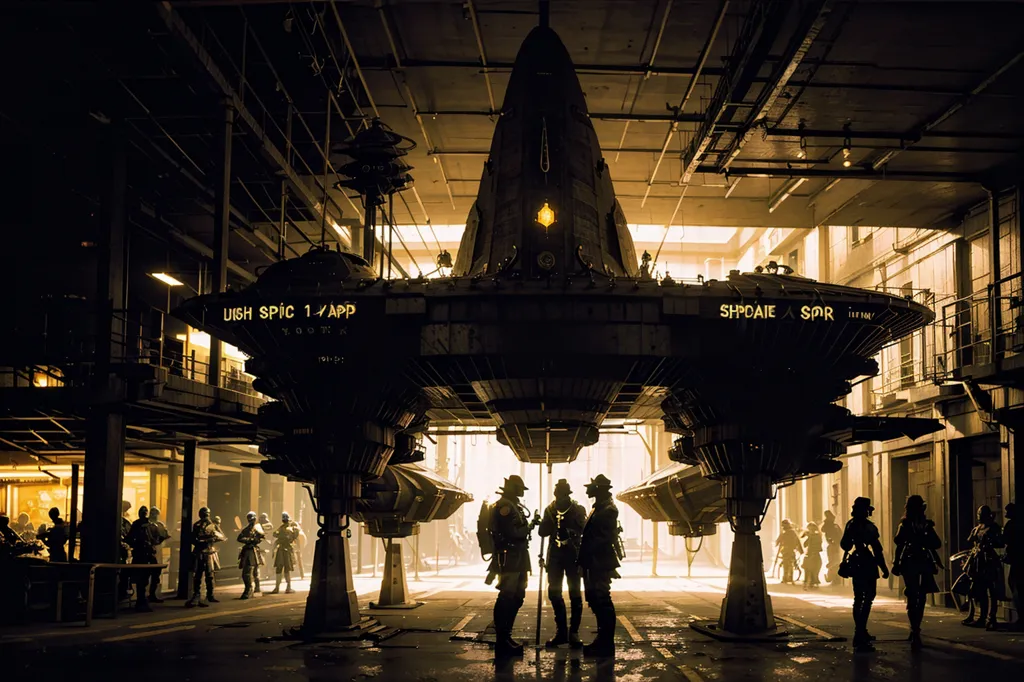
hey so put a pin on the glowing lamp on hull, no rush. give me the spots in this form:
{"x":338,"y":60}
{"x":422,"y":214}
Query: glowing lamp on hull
{"x":546,"y":216}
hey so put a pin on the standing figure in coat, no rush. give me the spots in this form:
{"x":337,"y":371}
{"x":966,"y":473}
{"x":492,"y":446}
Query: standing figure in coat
{"x":563,"y":522}
{"x":812,"y":556}
{"x":984,"y":568}
{"x":833,"y":552}
{"x":600,"y":554}
{"x":158,"y":534}
{"x":55,"y":537}
{"x":284,"y":552}
{"x":862,"y":541}
{"x":915,"y":560}
{"x":143,"y":552}
{"x":250,"y":557}
{"x":789,"y":548}
{"x":510,"y":531}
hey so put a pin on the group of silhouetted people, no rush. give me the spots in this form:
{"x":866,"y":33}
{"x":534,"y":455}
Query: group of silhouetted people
{"x":814,"y":541}
{"x":916,"y":560}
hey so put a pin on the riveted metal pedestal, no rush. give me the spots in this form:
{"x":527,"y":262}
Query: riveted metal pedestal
{"x":394,"y":588}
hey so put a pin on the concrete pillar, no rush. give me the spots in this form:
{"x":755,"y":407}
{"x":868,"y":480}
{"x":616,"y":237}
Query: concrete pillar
{"x":172,"y":517}
{"x":332,"y":602}
{"x":201,"y":496}
{"x":249,"y":493}
{"x":824,"y":253}
{"x":105,"y":428}
{"x":185,"y":535}
{"x":221,"y":230}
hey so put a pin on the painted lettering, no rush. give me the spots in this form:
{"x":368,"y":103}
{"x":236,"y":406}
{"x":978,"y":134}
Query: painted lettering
{"x":238,"y":314}
{"x":739,"y":311}
{"x":816,"y":312}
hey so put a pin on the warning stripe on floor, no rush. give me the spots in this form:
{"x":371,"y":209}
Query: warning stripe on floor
{"x":458,"y":627}
{"x":689,"y":673}
{"x":633,"y":632}
{"x":149,"y":633}
{"x":811,"y":629}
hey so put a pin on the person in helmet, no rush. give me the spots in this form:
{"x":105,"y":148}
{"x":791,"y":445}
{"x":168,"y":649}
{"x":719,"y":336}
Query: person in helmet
{"x":599,"y":557}
{"x":862,"y":541}
{"x":286,"y":536}
{"x":563,"y":522}
{"x":143,"y":550}
{"x":250,"y":558}
{"x":789,"y":547}
{"x":510,"y":530}
{"x":158,"y":534}
{"x":205,"y":536}
{"x":984,"y":568}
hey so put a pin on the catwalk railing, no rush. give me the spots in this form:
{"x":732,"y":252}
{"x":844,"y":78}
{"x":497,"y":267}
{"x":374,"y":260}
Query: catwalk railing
{"x":980,"y":331}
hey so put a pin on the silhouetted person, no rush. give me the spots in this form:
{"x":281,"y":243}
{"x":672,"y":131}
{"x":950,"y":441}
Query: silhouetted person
{"x":250,"y":557}
{"x":287,"y":535}
{"x":158,"y":533}
{"x":23,"y":527}
{"x":915,"y":560}
{"x":143,"y":552}
{"x":205,"y":536}
{"x":984,"y":568}
{"x":861,"y":539}
{"x":510,"y":530}
{"x":812,"y":556}
{"x":833,"y":534}
{"x":563,"y":522}
{"x":1013,"y":537}
{"x":789,"y":547}
{"x":126,"y":525}
{"x":600,"y":553}
{"x":8,"y":534}
{"x":55,"y":536}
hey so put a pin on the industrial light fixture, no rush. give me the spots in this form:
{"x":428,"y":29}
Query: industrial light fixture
{"x":167,"y":279}
{"x":784,"y":194}
{"x":802,"y":152}
{"x":546,"y":215}
{"x":846,"y":157}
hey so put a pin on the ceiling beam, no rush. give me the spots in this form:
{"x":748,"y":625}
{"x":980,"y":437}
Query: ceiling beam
{"x":811,"y":23}
{"x":597,"y":116}
{"x":177,"y":27}
{"x":858,"y":173}
{"x":690,"y":87}
{"x":902,"y":136}
{"x":759,"y":30}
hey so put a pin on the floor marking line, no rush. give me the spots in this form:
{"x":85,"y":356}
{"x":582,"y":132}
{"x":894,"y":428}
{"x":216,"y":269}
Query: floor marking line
{"x":633,"y":633}
{"x":458,"y":627}
{"x":443,"y":588}
{"x":974,"y":649}
{"x":689,"y":673}
{"x":151,"y":633}
{"x":215,"y":614}
{"x":809,"y":628}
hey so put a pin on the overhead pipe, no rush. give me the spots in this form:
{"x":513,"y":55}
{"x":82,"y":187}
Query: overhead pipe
{"x":647,"y":71}
{"x":818,"y":15}
{"x":691,"y":86}
{"x":596,"y":116}
{"x":480,"y":47}
{"x":412,"y":103}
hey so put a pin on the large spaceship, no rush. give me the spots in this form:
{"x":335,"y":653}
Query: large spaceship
{"x":546,"y":328}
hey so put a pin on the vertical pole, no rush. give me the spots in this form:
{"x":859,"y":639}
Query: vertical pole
{"x":221,"y":232}
{"x":104,"y":446}
{"x":74,"y":512}
{"x":656,"y":438}
{"x":995,"y":304}
{"x":416,"y":549}
{"x":359,"y":548}
{"x":173,"y":511}
{"x":374,"y":544}
{"x":185,"y":543}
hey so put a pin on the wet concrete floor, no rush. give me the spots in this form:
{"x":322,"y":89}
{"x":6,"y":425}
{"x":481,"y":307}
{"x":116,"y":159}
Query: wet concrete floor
{"x":240,"y":640}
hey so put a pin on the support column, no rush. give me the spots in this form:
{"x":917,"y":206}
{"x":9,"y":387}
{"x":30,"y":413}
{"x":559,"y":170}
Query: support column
{"x":172,"y":516}
{"x":104,"y":446}
{"x":221,"y":231}
{"x":995,"y":306}
{"x":824,"y":253}
{"x":332,"y":603}
{"x":746,"y":608}
{"x":185,"y":541}
{"x":249,"y":495}
{"x":394,"y":587}
{"x":201,"y":496}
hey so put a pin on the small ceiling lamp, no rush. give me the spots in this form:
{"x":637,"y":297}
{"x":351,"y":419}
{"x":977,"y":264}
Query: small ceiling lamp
{"x":546,"y":215}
